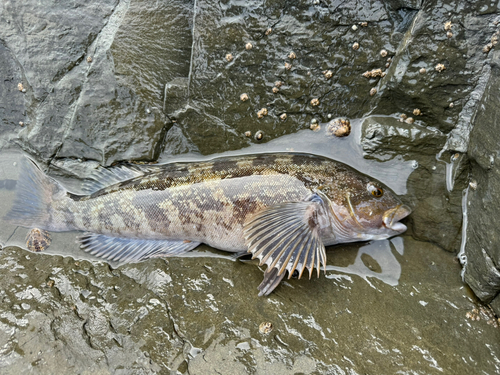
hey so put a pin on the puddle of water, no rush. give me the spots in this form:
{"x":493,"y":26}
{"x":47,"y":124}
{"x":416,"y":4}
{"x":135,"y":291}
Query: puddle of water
{"x":452,"y":168}
{"x":462,"y":257}
{"x":382,"y":252}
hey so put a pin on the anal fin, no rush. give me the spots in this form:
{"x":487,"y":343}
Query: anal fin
{"x":132,"y":249}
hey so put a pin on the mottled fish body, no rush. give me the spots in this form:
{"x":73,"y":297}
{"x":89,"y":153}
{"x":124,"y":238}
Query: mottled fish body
{"x":283,"y":208}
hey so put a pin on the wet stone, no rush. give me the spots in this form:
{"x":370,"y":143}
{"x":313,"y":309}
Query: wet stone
{"x":327,"y":49}
{"x":482,"y":270}
{"x":481,"y":273}
{"x":79,"y":104}
{"x":176,"y":95}
{"x":160,"y":316}
{"x":408,"y":85}
{"x":12,"y":102}
{"x":159,"y":85}
{"x":144,"y":59}
{"x":384,"y":138}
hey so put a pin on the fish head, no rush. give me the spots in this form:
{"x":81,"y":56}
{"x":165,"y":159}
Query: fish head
{"x":365,"y":209}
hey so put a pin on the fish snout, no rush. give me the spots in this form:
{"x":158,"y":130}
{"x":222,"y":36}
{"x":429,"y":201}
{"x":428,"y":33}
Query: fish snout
{"x":391,"y":217}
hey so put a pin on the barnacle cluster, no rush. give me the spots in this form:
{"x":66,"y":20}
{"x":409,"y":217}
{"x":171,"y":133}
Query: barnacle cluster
{"x":339,"y":127}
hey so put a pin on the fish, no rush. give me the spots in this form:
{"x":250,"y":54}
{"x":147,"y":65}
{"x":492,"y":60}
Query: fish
{"x":282,"y":208}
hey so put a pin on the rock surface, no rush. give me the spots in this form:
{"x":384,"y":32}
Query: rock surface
{"x":76,"y":104}
{"x":107,"y":81}
{"x":202,"y":316}
{"x":482,"y":269}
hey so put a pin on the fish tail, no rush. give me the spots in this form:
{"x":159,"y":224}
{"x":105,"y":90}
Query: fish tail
{"x":35,"y":192}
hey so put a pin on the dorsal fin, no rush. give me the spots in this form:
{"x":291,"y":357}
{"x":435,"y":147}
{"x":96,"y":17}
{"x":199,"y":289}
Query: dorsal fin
{"x":104,"y":177}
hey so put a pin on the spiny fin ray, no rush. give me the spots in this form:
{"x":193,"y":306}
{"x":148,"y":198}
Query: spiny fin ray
{"x":104,"y":177}
{"x":271,"y":281}
{"x":286,"y":237}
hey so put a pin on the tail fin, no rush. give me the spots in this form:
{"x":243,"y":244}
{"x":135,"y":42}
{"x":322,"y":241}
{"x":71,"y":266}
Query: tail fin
{"x":35,"y":192}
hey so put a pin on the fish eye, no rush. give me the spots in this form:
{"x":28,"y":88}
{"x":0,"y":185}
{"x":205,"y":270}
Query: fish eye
{"x":376,"y":191}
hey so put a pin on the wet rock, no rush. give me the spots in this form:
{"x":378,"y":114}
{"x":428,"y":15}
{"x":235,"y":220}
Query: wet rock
{"x":437,"y":211}
{"x":481,"y":272}
{"x":12,"y":107}
{"x":326,"y":47}
{"x":209,"y":132}
{"x":121,"y":129}
{"x":437,"y":214}
{"x":482,"y":246}
{"x":197,"y":315}
{"x":404,"y":87}
{"x":158,"y":84}
{"x":144,"y":58}
{"x":383,"y":137}
{"x":176,"y":96}
{"x":178,"y":143}
{"x":68,"y":322}
{"x":76,"y":109}
{"x":50,"y":41}
{"x":495,"y":305}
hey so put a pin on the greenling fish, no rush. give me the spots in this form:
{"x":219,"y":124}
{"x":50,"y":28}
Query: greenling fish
{"x":283,"y":208}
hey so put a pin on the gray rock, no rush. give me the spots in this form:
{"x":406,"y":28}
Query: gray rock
{"x":435,"y":188}
{"x":176,"y":96}
{"x":404,"y":88}
{"x":385,"y":137}
{"x":135,"y":80}
{"x":482,"y":246}
{"x":437,"y":213}
{"x":77,"y":107}
{"x":481,"y":273}
{"x":49,"y":40}
{"x":495,"y":304}
{"x":12,"y":105}
{"x":152,"y":46}
{"x":321,"y":38}
{"x":201,"y":315}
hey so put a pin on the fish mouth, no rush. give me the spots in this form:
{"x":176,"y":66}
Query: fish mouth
{"x":391,"y":218}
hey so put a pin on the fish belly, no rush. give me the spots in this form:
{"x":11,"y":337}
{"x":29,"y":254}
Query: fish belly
{"x":212,"y":212}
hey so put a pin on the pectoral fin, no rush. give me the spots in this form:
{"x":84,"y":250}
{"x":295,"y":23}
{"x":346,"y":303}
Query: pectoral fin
{"x":271,"y":281}
{"x":286,"y":238}
{"x":132,"y":249}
